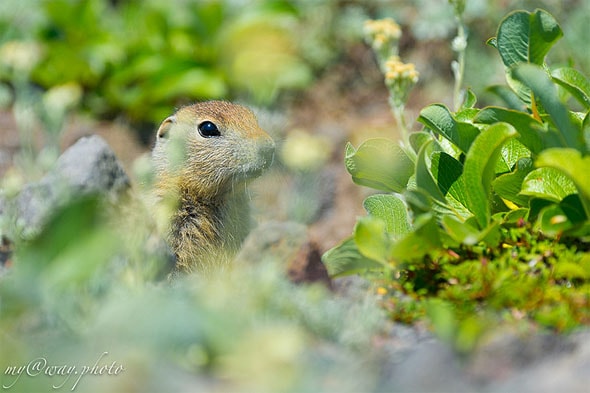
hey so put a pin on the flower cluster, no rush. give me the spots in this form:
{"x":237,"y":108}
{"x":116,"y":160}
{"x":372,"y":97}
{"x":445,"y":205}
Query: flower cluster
{"x":400,"y":78}
{"x":383,"y":35}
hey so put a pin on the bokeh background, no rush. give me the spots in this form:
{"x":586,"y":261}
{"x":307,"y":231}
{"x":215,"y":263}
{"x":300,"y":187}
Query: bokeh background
{"x":117,"y":68}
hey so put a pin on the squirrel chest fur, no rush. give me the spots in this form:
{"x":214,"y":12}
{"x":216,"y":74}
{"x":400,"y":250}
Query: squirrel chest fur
{"x":204,"y":156}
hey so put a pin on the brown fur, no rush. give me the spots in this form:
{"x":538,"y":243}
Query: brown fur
{"x":206,"y":180}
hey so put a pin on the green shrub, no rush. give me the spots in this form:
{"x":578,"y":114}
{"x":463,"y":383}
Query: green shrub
{"x":487,"y":210}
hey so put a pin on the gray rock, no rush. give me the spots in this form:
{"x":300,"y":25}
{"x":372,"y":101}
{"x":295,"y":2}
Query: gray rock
{"x":559,"y":363}
{"x":90,"y":166}
{"x":414,"y":361}
{"x":87,"y":167}
{"x":430,"y":366}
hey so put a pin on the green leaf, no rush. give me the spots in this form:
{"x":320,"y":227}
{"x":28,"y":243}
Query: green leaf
{"x":468,"y":234}
{"x":508,"y":96}
{"x":546,"y":93}
{"x":548,"y":183}
{"x":525,"y":37}
{"x":448,"y":174}
{"x":553,"y":221}
{"x":574,"y":165}
{"x":424,"y":178}
{"x":372,"y":240}
{"x":573,"y":209}
{"x":575,"y":83}
{"x":420,"y":242}
{"x":392,"y":211}
{"x":346,"y":259}
{"x":439,"y":119}
{"x":478,"y":171}
{"x":470,"y":99}
{"x":461,"y":231}
{"x":379,"y":163}
{"x":512,"y":151}
{"x":508,"y":186}
{"x":531,"y":131}
{"x":418,"y":139}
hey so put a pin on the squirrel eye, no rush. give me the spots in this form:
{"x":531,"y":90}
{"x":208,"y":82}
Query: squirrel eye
{"x":208,"y":129}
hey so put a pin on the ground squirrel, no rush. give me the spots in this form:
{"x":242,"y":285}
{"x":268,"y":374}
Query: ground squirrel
{"x":204,"y":155}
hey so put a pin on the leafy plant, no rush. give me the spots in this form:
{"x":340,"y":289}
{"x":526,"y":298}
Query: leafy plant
{"x":142,"y":58}
{"x":486,"y":207}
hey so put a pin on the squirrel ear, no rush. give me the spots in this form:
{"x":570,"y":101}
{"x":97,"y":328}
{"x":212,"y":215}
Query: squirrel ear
{"x":165,"y":126}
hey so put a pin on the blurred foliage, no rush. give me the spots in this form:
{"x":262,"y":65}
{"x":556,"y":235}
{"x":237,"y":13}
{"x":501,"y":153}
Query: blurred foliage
{"x":85,"y":285}
{"x":141,"y":57}
{"x":489,"y":209}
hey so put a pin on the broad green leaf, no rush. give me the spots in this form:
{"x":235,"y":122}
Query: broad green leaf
{"x":392,"y":211}
{"x":424,"y":178}
{"x":574,"y":165}
{"x":466,"y":115}
{"x":546,"y":93}
{"x":346,"y":259}
{"x":439,"y":119}
{"x":372,"y":240}
{"x":548,"y":183}
{"x":511,"y":152}
{"x":447,"y":172}
{"x":506,"y":94}
{"x":575,"y":83}
{"x":525,"y":37}
{"x":478,"y":170}
{"x":379,"y":163}
{"x":508,"y":186}
{"x":418,"y":139}
{"x":531,"y":131}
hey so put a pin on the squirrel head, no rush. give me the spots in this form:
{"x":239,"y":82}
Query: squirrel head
{"x":210,"y":147}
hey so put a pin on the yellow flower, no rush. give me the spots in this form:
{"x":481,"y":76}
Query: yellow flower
{"x":383,"y":35}
{"x":383,"y":29}
{"x":400,"y":78}
{"x":396,"y":71}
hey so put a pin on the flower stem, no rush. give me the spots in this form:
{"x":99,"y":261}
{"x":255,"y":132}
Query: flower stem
{"x":459,"y":45}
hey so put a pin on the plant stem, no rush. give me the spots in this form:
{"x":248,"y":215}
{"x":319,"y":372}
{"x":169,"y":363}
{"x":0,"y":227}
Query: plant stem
{"x":459,"y":65}
{"x":398,"y":114}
